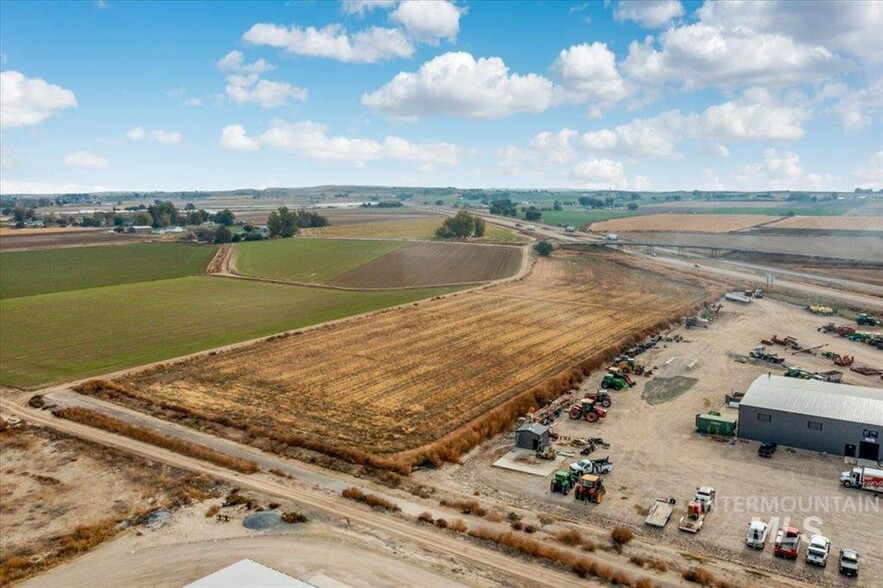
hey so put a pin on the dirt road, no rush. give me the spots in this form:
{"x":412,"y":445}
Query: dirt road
{"x":515,"y":570}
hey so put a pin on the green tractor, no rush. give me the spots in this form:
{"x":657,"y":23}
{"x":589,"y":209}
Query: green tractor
{"x":866,"y":319}
{"x":616,"y":380}
{"x":562,"y":482}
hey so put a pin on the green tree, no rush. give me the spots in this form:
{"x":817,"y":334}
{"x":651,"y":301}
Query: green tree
{"x":439,"y":202}
{"x":282,"y":223}
{"x":225,"y":217}
{"x":143,"y":218}
{"x":543,"y":248}
{"x":460,"y":226}
{"x":556,"y":205}
{"x":532,"y":214}
{"x":504,"y":207}
{"x":222,"y":234}
{"x":632,"y":206}
{"x":480,"y":227}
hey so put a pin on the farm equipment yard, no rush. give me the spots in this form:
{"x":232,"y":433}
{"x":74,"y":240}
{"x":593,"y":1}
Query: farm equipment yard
{"x":650,"y":435}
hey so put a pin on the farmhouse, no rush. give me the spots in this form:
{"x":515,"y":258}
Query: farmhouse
{"x":531,"y":435}
{"x":140,"y":229}
{"x":817,"y":416}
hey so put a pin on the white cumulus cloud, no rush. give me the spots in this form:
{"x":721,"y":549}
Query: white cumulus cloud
{"x":587,"y":73}
{"x":311,"y":140}
{"x":599,"y":173}
{"x":234,"y":137}
{"x":428,"y":21}
{"x":728,"y":55}
{"x":457,"y":84}
{"x":333,"y":42}
{"x":162,"y":136}
{"x":30,"y":101}
{"x":86,"y":160}
{"x":135,"y":134}
{"x":244,"y":89}
{"x":235,"y":62}
{"x":651,"y":14}
{"x":360,"y":7}
{"x":870,"y":175}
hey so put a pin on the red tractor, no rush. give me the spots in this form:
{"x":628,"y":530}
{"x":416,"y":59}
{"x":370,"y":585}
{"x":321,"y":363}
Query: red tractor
{"x":601,"y":397}
{"x":586,"y":409}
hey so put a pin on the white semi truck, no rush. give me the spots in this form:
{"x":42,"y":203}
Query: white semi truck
{"x":864,"y":478}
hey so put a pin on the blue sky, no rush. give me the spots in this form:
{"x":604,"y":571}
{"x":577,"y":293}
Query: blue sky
{"x":654,"y":95}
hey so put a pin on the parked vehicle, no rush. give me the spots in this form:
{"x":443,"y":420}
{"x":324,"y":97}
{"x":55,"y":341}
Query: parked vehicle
{"x":787,"y":543}
{"x":569,"y":229}
{"x":705,"y":497}
{"x":562,"y":482}
{"x":767,"y":449}
{"x":531,"y":228}
{"x":592,"y":466}
{"x":761,"y":353}
{"x":863,"y":478}
{"x":660,"y":513}
{"x":697,"y":510}
{"x":586,"y":409}
{"x":758,"y":531}
{"x":590,"y":489}
{"x":601,"y":397}
{"x":817,"y":551}
{"x":866,"y":319}
{"x":848,"y":564}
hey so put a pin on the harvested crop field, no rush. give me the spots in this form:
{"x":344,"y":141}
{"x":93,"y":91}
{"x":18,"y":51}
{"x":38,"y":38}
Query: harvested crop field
{"x":695,"y":223}
{"x":431,"y":264}
{"x":393,"y":386}
{"x":836,"y":223}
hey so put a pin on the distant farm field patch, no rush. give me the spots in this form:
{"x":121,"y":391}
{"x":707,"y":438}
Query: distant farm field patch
{"x":841,"y":223}
{"x":579,"y":218}
{"x":68,"y":335}
{"x":697,"y":223}
{"x":26,"y":273}
{"x":429,"y":264}
{"x":413,"y":228}
{"x":308,"y":260}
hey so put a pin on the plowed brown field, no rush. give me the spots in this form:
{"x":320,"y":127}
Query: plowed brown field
{"x":399,"y":381}
{"x":840,"y":223}
{"x":430,"y":264}
{"x":698,"y":223}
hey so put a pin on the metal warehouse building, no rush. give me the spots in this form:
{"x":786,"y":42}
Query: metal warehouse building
{"x":817,"y":416}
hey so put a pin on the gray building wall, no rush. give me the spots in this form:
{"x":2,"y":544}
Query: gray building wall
{"x":792,"y":430}
{"x":525,"y":439}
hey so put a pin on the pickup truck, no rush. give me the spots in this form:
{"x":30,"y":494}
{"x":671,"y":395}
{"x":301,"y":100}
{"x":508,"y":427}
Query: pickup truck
{"x":787,"y":543}
{"x":817,"y":551}
{"x":693,"y":520}
{"x":758,"y":531}
{"x":848,"y":562}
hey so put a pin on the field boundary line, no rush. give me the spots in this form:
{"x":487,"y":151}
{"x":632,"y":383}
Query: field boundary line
{"x":526,"y":268}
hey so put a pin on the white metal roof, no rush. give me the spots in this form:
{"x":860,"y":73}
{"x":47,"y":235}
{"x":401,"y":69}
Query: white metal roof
{"x":859,"y":404}
{"x":536,"y":428}
{"x":248,"y":574}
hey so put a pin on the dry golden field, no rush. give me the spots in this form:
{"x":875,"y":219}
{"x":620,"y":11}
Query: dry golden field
{"x":838,"y":223}
{"x":698,"y":223}
{"x":426,"y":382}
